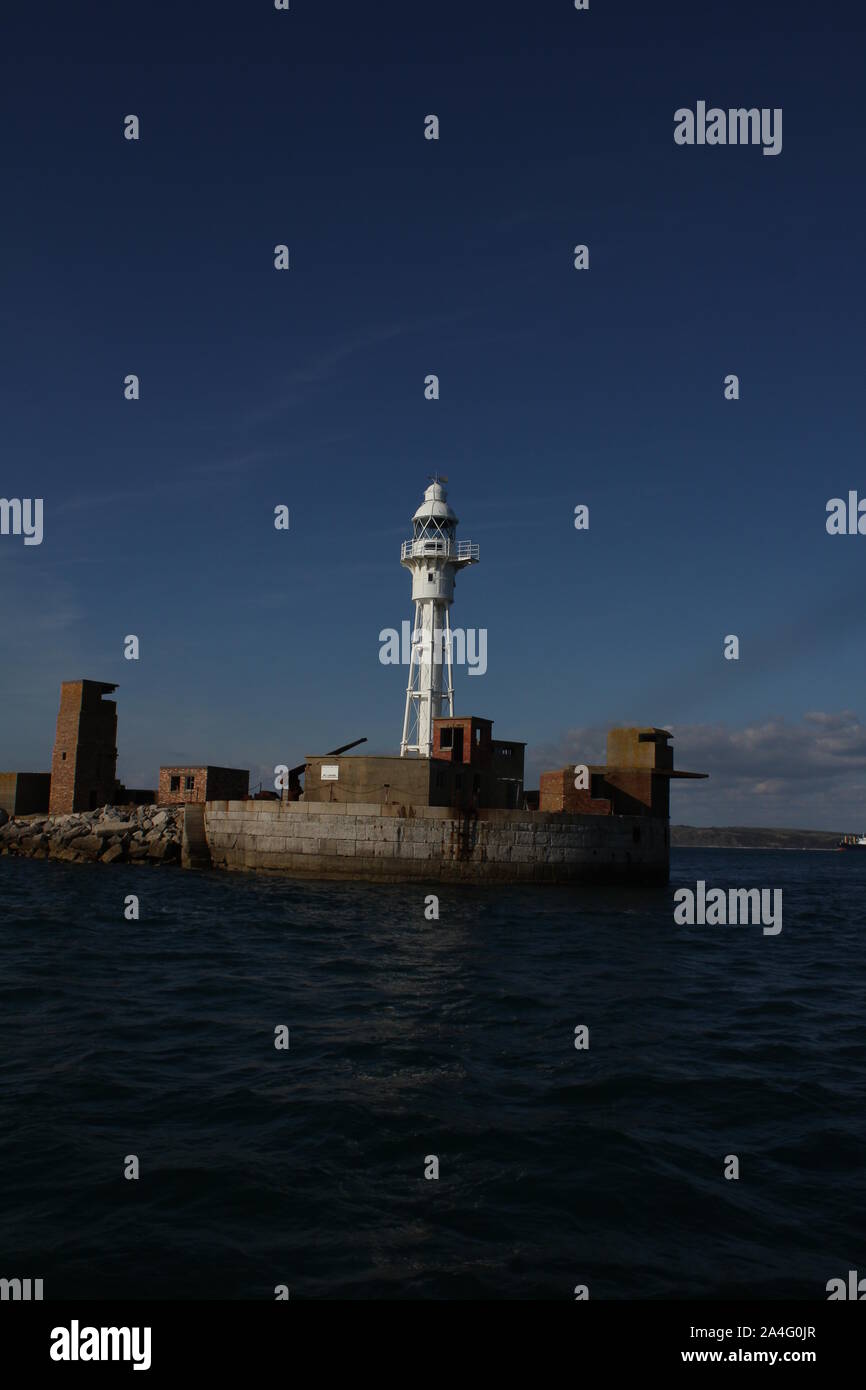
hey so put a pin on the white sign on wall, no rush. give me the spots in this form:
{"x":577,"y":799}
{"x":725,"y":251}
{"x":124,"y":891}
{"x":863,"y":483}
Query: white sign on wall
{"x":330,"y":772}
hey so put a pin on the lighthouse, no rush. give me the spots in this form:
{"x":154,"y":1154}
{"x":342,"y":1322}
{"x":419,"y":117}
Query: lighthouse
{"x":433,"y":557}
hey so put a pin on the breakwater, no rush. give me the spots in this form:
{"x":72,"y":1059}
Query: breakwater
{"x":111,"y":834}
{"x":370,"y":841}
{"x":348,"y":841}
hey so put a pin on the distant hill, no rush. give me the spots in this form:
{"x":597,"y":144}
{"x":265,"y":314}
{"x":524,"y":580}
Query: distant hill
{"x":750,"y":837}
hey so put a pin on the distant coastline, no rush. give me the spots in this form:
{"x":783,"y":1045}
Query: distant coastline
{"x":750,"y":837}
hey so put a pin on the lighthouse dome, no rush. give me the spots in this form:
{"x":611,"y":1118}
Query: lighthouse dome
{"x":435,"y":506}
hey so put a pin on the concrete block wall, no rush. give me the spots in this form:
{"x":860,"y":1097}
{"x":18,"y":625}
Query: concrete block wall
{"x":344,"y":840}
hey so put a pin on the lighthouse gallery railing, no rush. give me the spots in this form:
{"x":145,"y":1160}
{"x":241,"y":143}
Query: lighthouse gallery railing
{"x":461,"y":550}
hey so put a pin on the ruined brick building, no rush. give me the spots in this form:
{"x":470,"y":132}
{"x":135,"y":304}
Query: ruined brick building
{"x":635,"y":780}
{"x":468,"y":769}
{"x":84,"y":766}
{"x":180,"y":786}
{"x":83,"y":773}
{"x":24,"y":793}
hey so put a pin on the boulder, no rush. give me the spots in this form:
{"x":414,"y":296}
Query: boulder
{"x":111,"y":827}
{"x":88,"y":845}
{"x":4,"y":816}
{"x":163,"y":851}
{"x":33,"y":842}
{"x":72,"y":832}
{"x":113,"y":853}
{"x":66,"y":856}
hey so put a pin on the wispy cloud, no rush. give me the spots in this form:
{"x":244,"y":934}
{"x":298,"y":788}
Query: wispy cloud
{"x":322,"y":367}
{"x":214,"y":470}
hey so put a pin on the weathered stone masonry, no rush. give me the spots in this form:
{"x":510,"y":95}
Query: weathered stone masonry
{"x":429,"y":843}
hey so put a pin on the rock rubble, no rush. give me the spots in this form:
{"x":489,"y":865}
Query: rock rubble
{"x":110,"y":835}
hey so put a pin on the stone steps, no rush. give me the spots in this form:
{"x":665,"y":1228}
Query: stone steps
{"x":195,"y":853}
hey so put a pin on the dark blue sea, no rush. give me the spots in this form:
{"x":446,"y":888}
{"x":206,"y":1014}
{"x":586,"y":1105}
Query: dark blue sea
{"x":410,"y":1038}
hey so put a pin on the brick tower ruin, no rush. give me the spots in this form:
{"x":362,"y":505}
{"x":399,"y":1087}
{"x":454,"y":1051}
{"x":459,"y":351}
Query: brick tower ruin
{"x":84,"y":767}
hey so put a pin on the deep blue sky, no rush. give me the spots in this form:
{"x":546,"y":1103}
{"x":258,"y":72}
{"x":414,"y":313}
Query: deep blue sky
{"x":558,"y":387}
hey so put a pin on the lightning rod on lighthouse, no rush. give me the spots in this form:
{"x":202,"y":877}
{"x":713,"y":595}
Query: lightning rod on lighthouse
{"x":433,"y":557}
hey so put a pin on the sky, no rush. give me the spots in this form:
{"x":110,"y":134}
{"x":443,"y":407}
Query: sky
{"x":408,"y":257}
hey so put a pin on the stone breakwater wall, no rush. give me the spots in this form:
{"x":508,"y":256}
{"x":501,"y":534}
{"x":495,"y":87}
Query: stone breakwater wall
{"x":430,"y":843}
{"x":113,"y":834}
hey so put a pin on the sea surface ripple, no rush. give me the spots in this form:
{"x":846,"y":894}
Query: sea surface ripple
{"x":409,"y":1038}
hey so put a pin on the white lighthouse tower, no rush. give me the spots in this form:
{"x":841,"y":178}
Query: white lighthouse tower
{"x":433,"y":556}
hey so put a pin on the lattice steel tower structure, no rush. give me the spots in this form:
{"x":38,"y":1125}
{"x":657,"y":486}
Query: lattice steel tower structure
{"x":433,"y":557}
